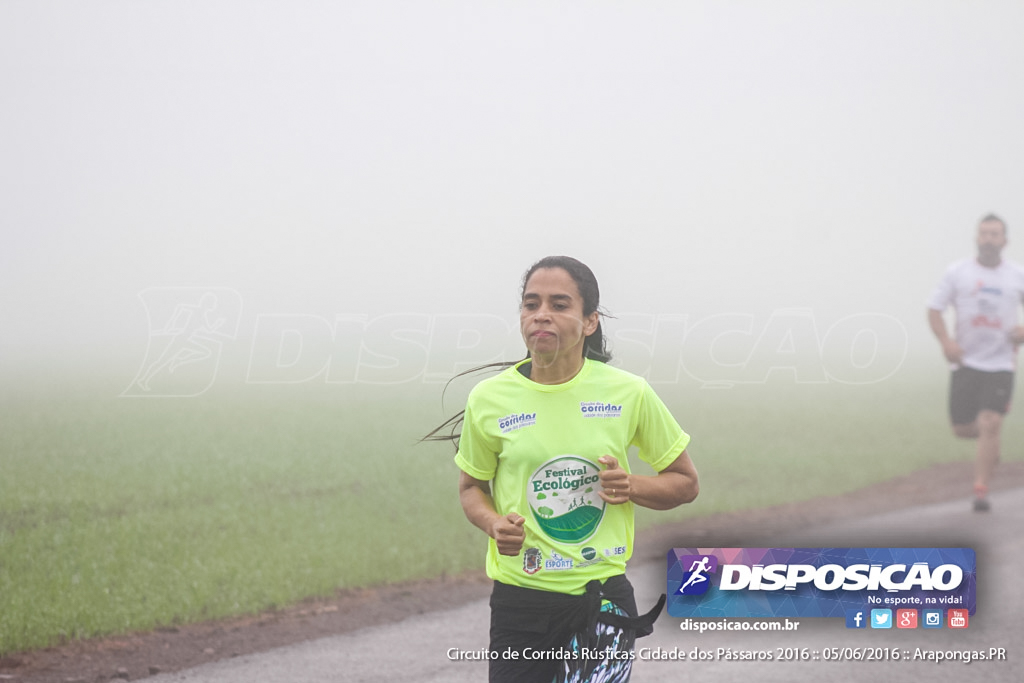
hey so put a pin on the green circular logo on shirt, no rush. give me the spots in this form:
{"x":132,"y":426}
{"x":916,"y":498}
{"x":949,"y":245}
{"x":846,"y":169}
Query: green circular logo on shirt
{"x":563,"y":498}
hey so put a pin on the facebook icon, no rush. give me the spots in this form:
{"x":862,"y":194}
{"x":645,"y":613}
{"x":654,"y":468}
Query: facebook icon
{"x":855,"y":618}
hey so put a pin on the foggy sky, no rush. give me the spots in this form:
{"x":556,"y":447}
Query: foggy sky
{"x":380,"y":158}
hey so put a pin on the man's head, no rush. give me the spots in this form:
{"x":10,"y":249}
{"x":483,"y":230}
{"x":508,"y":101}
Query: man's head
{"x":991,"y":239}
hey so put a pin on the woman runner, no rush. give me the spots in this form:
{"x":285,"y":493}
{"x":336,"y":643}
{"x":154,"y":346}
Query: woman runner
{"x":542,"y":454}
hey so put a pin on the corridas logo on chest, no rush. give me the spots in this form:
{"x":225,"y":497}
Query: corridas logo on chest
{"x":563,"y":498}
{"x":600,"y":409}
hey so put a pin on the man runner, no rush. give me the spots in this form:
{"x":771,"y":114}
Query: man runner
{"x":985,"y":293}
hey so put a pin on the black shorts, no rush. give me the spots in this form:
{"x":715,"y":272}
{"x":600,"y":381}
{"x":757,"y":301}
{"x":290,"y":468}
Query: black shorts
{"x":971,"y":391}
{"x":532,"y":632}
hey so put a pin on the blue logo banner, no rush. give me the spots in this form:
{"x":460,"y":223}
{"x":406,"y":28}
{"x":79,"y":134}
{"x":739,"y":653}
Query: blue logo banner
{"x":818,"y":582}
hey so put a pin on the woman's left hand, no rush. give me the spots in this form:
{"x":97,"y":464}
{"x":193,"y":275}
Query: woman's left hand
{"x":614,"y":481}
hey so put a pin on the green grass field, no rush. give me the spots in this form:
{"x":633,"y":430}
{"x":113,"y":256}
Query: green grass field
{"x":126,"y":514}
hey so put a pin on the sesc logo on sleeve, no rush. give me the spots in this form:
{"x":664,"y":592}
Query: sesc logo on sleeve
{"x":818,"y":582}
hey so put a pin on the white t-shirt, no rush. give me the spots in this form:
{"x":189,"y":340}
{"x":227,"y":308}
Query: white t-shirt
{"x":986,"y":301}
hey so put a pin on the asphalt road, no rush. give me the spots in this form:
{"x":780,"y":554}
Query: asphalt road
{"x":417,"y":649}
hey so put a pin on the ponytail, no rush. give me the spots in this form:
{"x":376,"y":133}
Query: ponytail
{"x":451,"y":429}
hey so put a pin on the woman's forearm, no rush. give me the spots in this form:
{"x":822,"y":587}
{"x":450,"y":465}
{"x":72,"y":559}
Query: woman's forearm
{"x":673,"y":486}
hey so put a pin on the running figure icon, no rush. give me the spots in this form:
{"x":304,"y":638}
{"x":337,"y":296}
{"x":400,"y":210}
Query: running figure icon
{"x":697,"y":573}
{"x":188,"y":328}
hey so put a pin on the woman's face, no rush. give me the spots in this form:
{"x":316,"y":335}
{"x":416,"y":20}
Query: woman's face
{"x":551,"y":316}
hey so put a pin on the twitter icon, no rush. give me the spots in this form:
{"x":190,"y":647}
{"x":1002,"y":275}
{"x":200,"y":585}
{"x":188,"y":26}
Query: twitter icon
{"x":881,"y":618}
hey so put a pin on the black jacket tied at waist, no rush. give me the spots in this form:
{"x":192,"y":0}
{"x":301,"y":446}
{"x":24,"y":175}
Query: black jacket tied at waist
{"x":558,"y":615}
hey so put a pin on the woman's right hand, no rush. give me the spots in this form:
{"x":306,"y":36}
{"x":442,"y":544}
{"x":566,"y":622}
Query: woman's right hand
{"x":509,"y":534}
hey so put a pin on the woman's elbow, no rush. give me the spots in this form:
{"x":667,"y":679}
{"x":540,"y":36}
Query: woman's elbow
{"x":683,"y":491}
{"x":690,"y":491}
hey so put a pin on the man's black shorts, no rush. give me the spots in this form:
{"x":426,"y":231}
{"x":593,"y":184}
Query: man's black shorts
{"x":971,"y":391}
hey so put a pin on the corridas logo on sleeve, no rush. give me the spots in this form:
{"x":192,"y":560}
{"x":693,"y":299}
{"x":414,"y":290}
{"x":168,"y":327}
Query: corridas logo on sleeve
{"x":563,"y":498}
{"x":515,"y":421}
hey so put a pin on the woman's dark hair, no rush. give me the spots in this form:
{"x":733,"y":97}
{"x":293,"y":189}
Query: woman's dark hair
{"x":593,"y":346}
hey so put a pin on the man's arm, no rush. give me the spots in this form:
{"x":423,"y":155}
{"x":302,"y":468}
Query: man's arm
{"x":950,"y":349}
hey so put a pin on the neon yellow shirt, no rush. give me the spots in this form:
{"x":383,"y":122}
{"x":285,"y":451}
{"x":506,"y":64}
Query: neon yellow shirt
{"x":538,"y":444}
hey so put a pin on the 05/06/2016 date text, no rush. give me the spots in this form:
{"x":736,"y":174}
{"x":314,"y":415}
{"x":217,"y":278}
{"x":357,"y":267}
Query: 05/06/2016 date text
{"x":828,"y":654}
